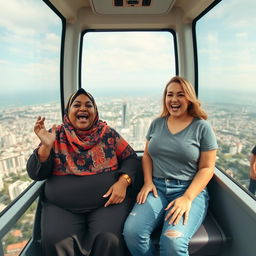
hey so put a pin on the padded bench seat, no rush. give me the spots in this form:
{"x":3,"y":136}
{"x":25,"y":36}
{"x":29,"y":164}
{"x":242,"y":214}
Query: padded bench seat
{"x":209,"y":238}
{"x":207,"y":241}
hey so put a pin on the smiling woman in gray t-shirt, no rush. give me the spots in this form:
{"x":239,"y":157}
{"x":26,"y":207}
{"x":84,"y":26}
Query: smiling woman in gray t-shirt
{"x":176,"y":155}
{"x":178,"y":162}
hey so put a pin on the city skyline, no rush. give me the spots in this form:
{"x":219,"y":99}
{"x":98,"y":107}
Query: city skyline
{"x":113,"y":112}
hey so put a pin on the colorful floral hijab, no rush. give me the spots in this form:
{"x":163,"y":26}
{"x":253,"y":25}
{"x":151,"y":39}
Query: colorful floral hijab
{"x":89,"y":152}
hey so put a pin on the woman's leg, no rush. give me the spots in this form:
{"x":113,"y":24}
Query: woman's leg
{"x":141,"y":222}
{"x":62,"y":231}
{"x":105,"y":227}
{"x":174,"y":240}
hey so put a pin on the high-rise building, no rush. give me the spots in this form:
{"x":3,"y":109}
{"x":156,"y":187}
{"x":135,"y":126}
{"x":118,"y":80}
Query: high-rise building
{"x":12,"y":163}
{"x":8,"y":140}
{"x":141,"y":128}
{"x":232,"y":149}
{"x":239,"y":146}
{"x":125,"y":115}
{"x":1,"y":182}
{"x":16,"y":188}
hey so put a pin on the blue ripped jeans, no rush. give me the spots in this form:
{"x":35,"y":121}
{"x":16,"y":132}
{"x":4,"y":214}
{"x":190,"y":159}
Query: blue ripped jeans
{"x":144,"y":218}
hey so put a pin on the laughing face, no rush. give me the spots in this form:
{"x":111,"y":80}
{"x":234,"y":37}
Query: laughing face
{"x":175,"y":100}
{"x":82,"y":113}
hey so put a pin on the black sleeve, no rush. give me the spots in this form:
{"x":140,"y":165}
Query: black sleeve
{"x":254,"y":150}
{"x":37,"y":170}
{"x":129,"y":166}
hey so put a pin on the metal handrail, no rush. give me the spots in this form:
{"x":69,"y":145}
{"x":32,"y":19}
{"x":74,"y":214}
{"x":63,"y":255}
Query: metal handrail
{"x":9,"y":218}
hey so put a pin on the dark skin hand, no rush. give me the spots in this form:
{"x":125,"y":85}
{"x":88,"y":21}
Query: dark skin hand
{"x":116,"y":192}
{"x":46,"y":138}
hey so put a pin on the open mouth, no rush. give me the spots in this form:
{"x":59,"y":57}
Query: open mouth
{"x":82,"y":117}
{"x":175,"y":106}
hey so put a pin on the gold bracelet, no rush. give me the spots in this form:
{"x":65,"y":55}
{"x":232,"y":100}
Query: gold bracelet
{"x":127,"y":178}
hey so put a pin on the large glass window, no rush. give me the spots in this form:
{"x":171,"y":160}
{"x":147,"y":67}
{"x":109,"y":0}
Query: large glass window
{"x":17,"y":238}
{"x":127,"y":72}
{"x":227,"y":62}
{"x":30,"y":35}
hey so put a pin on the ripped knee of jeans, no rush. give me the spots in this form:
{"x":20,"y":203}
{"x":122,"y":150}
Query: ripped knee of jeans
{"x":173,"y":234}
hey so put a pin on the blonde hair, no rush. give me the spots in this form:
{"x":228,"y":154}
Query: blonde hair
{"x":194,"y":109}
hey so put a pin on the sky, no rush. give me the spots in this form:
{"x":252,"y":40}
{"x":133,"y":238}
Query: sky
{"x":29,"y":45}
{"x":30,"y":36}
{"x":227,"y":46}
{"x":137,"y":62}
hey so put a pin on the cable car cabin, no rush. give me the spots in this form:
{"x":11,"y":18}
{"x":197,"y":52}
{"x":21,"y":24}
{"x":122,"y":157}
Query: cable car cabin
{"x":124,"y":52}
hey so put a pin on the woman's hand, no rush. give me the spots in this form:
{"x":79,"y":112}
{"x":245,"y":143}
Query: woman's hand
{"x":179,"y":207}
{"x":142,"y":195}
{"x":47,"y":138}
{"x":117,"y":192}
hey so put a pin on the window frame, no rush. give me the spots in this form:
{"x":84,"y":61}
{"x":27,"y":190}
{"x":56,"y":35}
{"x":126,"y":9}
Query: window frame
{"x":197,"y":86}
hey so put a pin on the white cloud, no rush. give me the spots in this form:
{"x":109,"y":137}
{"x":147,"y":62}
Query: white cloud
{"x":128,"y":59}
{"x":226,"y":46}
{"x":242,"y":35}
{"x":43,"y":74}
{"x":27,"y":26}
{"x":16,"y":16}
{"x":51,"y":43}
{"x":30,"y":47}
{"x":213,"y":38}
{"x":121,"y":60}
{"x":233,"y":14}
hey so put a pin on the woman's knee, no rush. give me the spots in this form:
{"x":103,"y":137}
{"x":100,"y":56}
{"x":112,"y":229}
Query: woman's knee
{"x":174,"y":241}
{"x":131,"y":228}
{"x":107,"y":238}
{"x":127,"y":228}
{"x":53,"y":236}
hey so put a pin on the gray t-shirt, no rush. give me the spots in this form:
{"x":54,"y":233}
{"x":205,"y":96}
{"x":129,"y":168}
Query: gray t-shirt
{"x":177,"y":155}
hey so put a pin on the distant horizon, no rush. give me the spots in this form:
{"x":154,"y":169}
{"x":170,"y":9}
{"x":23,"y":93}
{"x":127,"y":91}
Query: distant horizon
{"x":19,"y":99}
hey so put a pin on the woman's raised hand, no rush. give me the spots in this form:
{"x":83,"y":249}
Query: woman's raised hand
{"x":47,"y":138}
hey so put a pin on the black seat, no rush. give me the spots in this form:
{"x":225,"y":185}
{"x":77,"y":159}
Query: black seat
{"x":209,"y":238}
{"x":207,"y":241}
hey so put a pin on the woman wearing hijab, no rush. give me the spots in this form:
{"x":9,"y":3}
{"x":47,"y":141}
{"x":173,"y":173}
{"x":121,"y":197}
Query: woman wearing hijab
{"x":88,"y":167}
